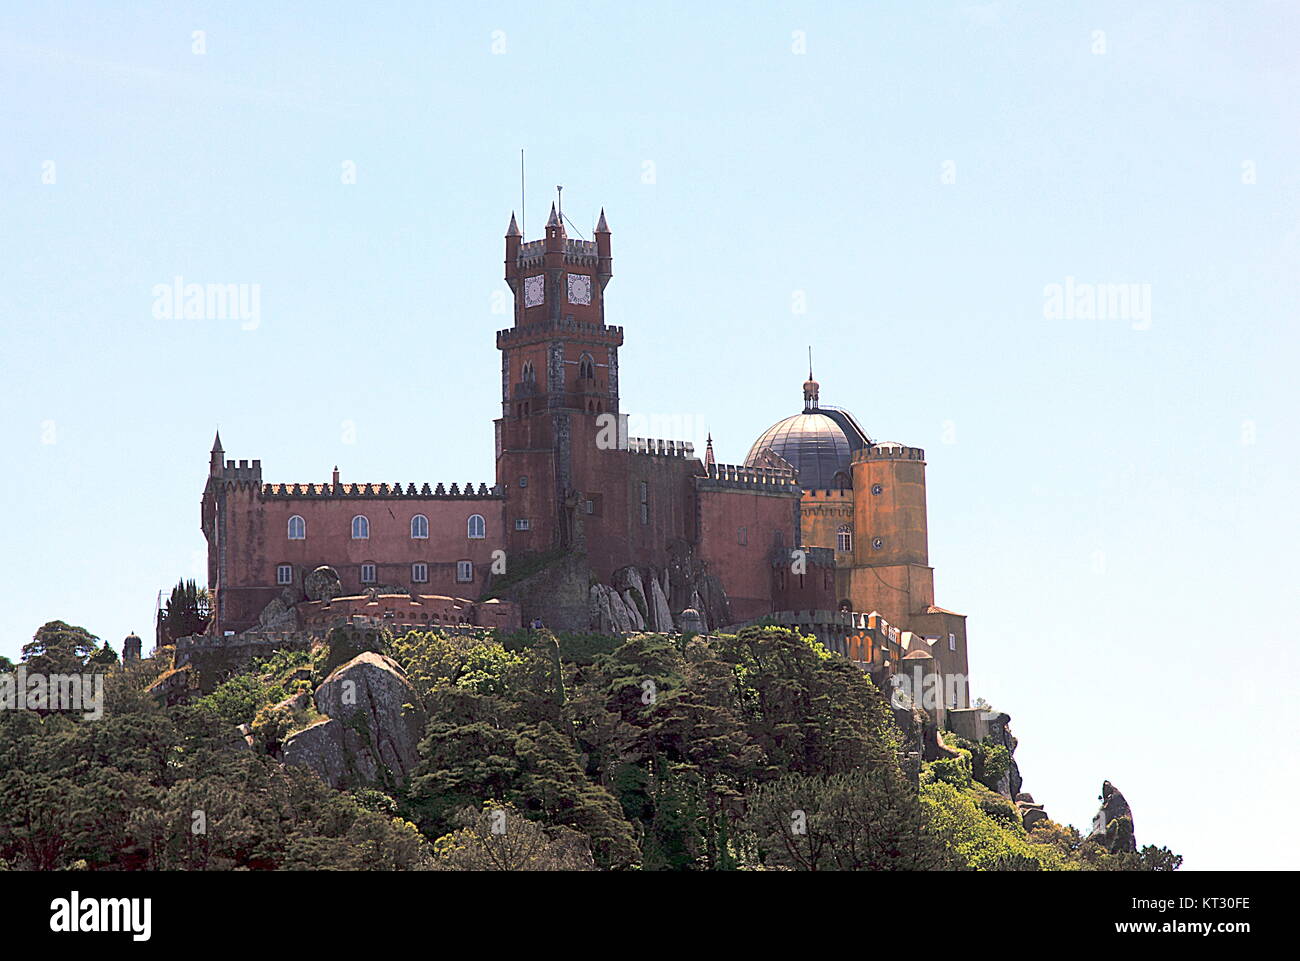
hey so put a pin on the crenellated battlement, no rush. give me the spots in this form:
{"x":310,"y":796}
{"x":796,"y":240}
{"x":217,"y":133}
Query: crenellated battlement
{"x":829,"y":495}
{"x":660,"y":448}
{"x":242,"y":471}
{"x":749,"y":478}
{"x":889,"y":451}
{"x":440,"y":492}
{"x":566,"y":326}
{"x":580,"y":253}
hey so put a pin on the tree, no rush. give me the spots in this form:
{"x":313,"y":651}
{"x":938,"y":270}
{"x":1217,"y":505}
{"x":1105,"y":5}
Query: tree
{"x":498,"y":838}
{"x":59,"y":648}
{"x":866,"y":820}
{"x":186,"y":612}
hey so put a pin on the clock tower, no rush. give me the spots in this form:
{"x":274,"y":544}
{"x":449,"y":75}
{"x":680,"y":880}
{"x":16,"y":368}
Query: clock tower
{"x":559,"y":459}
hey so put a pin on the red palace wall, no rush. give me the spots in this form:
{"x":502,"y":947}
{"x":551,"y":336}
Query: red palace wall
{"x":256,"y":542}
{"x":739,"y":530}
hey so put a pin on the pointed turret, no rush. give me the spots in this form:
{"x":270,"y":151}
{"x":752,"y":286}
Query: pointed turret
{"x":214,"y":459}
{"x":554,"y":219}
{"x":605,"y":269}
{"x":514,"y":237}
{"x":708,"y":453}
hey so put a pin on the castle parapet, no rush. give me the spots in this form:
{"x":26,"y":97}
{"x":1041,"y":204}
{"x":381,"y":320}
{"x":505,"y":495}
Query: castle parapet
{"x":577,"y":252}
{"x":889,"y":451}
{"x":441,"y":492}
{"x":660,"y":448}
{"x":566,"y":326}
{"x":734,"y":477}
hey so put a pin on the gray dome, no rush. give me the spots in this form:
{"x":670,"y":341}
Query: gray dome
{"x":814,"y":444}
{"x":819,"y":443}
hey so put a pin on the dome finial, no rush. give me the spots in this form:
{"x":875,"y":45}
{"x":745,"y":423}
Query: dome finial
{"x":810,"y":387}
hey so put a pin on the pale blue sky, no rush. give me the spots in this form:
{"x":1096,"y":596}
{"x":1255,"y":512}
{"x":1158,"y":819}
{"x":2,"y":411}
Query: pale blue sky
{"x":1111,"y":502}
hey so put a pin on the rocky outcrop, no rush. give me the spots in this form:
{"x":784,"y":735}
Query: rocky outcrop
{"x":557,"y":592}
{"x":371,"y":728}
{"x":278,"y":616}
{"x":1030,"y":811}
{"x":1113,"y":825}
{"x":661,"y":617}
{"x":322,"y":584}
{"x":999,"y":728}
{"x":689,"y":584}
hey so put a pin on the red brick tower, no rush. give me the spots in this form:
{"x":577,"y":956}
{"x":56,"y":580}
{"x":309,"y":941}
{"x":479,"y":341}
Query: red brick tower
{"x":565,"y":482}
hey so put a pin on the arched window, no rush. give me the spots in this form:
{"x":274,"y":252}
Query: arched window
{"x":844,"y":538}
{"x":529,"y":374}
{"x":420,"y":527}
{"x":297,"y":528}
{"x":477,"y":527}
{"x":586,"y":367}
{"x":360,"y":528}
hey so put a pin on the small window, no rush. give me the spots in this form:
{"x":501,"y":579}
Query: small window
{"x":522,"y":524}
{"x":297,"y":528}
{"x":420,"y":573}
{"x":360,"y":528}
{"x":878,"y":543}
{"x":952,"y":642}
{"x":464,"y":572}
{"x":368,"y":574}
{"x":523,"y":482}
{"x":742,"y":536}
{"x":284,"y":574}
{"x":420,"y":527}
{"x":477,"y":526}
{"x":844,"y":539}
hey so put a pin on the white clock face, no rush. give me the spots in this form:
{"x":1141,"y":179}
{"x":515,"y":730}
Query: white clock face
{"x":579,"y":289}
{"x":534,"y":290}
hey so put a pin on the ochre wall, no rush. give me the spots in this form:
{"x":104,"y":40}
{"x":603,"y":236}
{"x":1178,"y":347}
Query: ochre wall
{"x":896,"y":515}
{"x":822,"y":513}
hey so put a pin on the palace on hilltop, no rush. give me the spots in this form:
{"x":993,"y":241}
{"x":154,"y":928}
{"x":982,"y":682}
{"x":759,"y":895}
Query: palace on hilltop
{"x":583,"y":527}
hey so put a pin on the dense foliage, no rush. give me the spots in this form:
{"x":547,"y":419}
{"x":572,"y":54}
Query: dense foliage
{"x":754,"y":751}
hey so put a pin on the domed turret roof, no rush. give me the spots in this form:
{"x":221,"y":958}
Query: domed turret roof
{"x":819,"y":443}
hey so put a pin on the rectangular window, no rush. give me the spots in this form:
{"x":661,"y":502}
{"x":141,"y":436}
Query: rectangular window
{"x":284,"y":574}
{"x":952,"y":642}
{"x":522,"y":524}
{"x":742,"y":536}
{"x":645,"y":503}
{"x":420,"y":573}
{"x":464,"y":572}
{"x":367,"y":573}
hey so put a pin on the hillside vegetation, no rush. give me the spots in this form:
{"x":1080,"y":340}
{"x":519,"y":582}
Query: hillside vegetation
{"x":756,"y":751}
